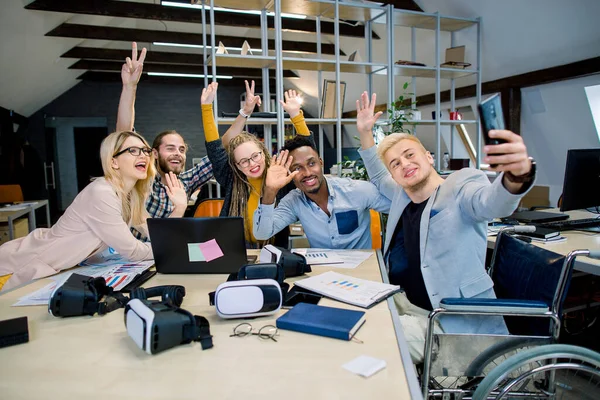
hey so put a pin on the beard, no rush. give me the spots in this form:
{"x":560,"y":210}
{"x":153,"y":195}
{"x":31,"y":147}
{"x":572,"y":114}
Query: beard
{"x":314,"y":189}
{"x":415,"y":187}
{"x":165,"y":167}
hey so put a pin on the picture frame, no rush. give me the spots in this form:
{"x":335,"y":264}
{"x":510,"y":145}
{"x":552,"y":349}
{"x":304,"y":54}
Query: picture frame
{"x":328,"y":103}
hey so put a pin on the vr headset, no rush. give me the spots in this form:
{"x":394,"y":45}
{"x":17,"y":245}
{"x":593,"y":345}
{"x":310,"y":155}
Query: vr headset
{"x":293,"y":264}
{"x":155,"y":326}
{"x":256,"y":290}
{"x":82,"y":295}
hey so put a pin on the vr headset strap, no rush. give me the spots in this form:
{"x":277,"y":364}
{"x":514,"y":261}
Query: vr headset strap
{"x":200,"y":332}
{"x":112,"y":302}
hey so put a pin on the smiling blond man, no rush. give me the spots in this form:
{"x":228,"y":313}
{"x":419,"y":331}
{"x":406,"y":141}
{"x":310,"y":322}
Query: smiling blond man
{"x":436,"y":237}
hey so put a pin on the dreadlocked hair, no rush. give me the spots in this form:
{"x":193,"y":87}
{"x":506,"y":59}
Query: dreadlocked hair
{"x":241,"y":185}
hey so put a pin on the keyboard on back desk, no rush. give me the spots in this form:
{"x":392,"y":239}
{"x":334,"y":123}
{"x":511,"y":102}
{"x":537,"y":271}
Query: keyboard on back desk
{"x":571,"y":224}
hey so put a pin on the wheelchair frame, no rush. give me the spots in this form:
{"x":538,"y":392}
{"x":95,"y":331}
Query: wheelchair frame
{"x":498,"y":344}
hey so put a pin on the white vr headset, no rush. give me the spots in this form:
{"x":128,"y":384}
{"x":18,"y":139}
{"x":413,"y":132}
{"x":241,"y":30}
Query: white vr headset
{"x":248,"y":298}
{"x":157,"y":326}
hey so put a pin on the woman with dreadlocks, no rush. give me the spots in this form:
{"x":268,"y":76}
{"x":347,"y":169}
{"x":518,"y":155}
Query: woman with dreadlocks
{"x":240,"y":160}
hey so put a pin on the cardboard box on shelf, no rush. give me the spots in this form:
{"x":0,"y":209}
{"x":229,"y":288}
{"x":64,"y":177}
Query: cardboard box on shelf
{"x":538,"y":196}
{"x":21,"y":227}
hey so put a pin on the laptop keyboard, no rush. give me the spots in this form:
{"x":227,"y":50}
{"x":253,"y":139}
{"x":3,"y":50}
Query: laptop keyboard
{"x":571,"y":224}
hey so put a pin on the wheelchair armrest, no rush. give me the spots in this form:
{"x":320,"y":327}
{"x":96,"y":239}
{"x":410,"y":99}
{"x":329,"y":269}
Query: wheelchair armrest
{"x":495,"y":306}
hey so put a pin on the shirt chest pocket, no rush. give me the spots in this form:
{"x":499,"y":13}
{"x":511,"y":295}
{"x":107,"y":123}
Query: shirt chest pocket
{"x":347,"y":221}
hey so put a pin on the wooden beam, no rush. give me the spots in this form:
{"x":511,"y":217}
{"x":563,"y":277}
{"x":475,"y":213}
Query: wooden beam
{"x":97,"y":65}
{"x":511,"y":108}
{"x":149,"y":36}
{"x":128,"y":9}
{"x":577,"y":69}
{"x":96,"y":53}
{"x":101,"y":76}
{"x":559,"y":73}
{"x":404,"y":4}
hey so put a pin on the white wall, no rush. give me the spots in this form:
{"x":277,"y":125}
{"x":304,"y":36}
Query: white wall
{"x":554,"y":118}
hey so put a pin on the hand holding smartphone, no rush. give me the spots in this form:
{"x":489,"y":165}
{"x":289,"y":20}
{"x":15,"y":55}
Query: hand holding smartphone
{"x":491,"y":118}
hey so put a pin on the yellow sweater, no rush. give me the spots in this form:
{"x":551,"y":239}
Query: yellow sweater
{"x":211,"y":134}
{"x":3,"y":280}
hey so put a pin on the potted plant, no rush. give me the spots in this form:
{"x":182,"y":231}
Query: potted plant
{"x":403,"y":110}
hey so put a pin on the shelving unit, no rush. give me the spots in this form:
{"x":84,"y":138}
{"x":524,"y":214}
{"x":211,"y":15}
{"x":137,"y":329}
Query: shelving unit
{"x":366,"y":13}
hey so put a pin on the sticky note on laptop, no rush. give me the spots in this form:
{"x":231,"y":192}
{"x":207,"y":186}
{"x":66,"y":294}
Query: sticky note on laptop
{"x":195,"y":253}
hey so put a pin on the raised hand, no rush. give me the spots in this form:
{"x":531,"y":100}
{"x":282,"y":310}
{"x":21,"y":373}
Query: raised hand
{"x":292,"y":103}
{"x":132,"y":69}
{"x":278,"y":174}
{"x":365,"y":113}
{"x":176,"y":192}
{"x":209,"y":93}
{"x":251,"y":99}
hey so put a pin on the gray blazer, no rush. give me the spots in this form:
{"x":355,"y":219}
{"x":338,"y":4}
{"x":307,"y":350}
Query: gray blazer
{"x":454,"y":237}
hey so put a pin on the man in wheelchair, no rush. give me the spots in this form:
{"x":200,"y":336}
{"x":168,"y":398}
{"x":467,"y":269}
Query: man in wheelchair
{"x":442,"y":255}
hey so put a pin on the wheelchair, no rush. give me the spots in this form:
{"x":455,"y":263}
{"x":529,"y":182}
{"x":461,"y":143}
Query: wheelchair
{"x":530,"y":284}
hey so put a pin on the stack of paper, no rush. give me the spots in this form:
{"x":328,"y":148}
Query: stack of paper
{"x":347,"y":289}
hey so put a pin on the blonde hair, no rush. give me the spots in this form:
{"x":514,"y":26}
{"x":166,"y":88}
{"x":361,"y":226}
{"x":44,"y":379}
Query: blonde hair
{"x":391,"y":140}
{"x":241,"y":185}
{"x":133,"y":204}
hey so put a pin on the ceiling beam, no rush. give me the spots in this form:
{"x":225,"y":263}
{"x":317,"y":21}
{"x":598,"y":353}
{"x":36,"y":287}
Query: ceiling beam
{"x":157,"y":12}
{"x":577,"y":69}
{"x":102,"y":76}
{"x":404,"y":4}
{"x":96,"y":53}
{"x":149,"y":36}
{"x":177,"y":69}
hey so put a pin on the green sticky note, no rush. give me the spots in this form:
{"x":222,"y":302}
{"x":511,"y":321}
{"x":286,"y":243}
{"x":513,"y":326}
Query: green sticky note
{"x":195,"y":253}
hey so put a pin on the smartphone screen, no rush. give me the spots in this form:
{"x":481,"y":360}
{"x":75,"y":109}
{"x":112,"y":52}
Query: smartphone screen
{"x":301,"y":298}
{"x":491,"y":117}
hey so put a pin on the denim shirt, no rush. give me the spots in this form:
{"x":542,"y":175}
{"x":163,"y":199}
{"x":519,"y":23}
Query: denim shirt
{"x":348,"y":227}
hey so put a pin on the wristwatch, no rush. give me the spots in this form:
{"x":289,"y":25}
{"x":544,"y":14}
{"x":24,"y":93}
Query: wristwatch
{"x":528,"y":177}
{"x":243,"y":114}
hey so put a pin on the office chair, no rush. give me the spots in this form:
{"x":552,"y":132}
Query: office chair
{"x":209,"y":208}
{"x":10,"y":193}
{"x":376,"y":230}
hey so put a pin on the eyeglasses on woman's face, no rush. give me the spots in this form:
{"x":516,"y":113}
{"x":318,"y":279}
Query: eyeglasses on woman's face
{"x":256,"y":157}
{"x":135,"y":151}
{"x":245,"y":329}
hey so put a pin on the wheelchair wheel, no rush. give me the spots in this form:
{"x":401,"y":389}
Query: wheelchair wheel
{"x":554,"y":371}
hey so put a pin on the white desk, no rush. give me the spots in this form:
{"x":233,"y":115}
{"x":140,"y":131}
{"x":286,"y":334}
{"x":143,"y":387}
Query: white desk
{"x":575,"y":240}
{"x":94,"y":358}
{"x":9,"y":215}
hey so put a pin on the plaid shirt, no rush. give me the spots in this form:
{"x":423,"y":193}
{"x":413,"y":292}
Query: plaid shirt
{"x":159,"y":205}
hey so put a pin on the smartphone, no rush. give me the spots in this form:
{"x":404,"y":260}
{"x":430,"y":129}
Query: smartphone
{"x":301,"y":298}
{"x":491,"y":117}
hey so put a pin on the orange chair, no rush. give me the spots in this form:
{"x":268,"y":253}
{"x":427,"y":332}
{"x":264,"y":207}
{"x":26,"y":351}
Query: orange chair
{"x":10,"y":193}
{"x":376,"y":230}
{"x":209,"y":208}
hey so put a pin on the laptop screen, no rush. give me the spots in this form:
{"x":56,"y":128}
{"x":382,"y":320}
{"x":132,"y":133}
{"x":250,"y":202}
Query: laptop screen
{"x":198,"y":245}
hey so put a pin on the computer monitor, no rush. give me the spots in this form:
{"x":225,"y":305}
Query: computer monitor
{"x":581,"y":188}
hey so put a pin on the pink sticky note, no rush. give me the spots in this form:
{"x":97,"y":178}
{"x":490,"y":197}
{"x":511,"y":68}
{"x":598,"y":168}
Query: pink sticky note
{"x":211,"y":250}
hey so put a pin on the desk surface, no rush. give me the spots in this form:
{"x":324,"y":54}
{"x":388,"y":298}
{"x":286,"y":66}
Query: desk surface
{"x":93,"y":357}
{"x":575,"y":240}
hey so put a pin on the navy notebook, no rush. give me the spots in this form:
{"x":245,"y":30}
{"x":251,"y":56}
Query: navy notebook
{"x":332,"y":322}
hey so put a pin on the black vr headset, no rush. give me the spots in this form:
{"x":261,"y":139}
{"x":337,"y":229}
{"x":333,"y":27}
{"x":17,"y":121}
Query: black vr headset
{"x":84,"y":295}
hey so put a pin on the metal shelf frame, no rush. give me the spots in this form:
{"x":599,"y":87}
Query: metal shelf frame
{"x":368,"y":14}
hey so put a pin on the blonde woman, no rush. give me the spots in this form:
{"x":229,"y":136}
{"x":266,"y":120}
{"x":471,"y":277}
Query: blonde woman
{"x":240,"y":160}
{"x":99,"y":218}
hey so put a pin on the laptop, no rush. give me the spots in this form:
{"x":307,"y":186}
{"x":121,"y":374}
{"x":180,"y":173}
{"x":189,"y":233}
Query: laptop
{"x":198,"y":245}
{"x":530,"y":217}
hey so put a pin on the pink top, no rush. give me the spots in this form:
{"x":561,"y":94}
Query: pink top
{"x":91,"y":224}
